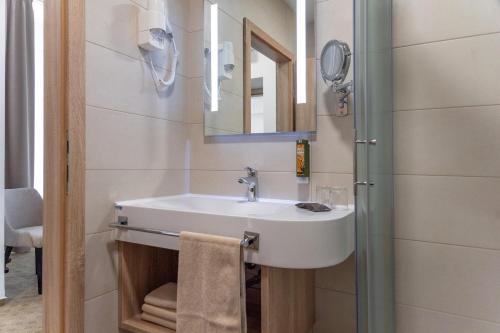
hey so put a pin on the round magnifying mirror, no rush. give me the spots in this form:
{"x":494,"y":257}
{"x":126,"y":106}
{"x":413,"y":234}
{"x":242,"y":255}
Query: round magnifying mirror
{"x":335,"y":61}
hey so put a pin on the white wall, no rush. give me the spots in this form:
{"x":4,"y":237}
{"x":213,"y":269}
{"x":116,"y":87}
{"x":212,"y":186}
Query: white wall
{"x":265,"y":68}
{"x":2,"y":143}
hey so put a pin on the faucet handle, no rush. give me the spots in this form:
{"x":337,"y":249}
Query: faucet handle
{"x":251,"y":172}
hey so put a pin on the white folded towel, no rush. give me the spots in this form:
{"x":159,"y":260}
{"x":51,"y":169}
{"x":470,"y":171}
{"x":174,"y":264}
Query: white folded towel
{"x":159,"y":321}
{"x":160,"y":312}
{"x":163,"y":297}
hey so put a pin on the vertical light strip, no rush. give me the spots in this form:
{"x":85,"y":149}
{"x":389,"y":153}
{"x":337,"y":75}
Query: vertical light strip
{"x":3,"y":13}
{"x":214,"y":56}
{"x":301,"y":52}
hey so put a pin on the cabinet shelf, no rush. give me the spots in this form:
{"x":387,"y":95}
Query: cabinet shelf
{"x":283,"y":301}
{"x":137,"y":325}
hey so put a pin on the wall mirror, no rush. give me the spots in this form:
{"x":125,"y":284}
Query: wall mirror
{"x":259,"y":66}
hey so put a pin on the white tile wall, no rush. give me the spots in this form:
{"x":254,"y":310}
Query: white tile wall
{"x":426,"y":21}
{"x":456,"y":141}
{"x":414,"y":320}
{"x":140,"y":142}
{"x":117,"y":140}
{"x":132,"y":89}
{"x":453,"y":279}
{"x":459,"y":72}
{"x":137,"y":144}
{"x":105,"y":187}
{"x":100,"y":264}
{"x":448,"y":210}
{"x":446,"y":160}
{"x":100,"y":314}
{"x":335,"y":312}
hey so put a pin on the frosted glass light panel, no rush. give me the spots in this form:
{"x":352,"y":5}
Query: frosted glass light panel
{"x":259,"y":66}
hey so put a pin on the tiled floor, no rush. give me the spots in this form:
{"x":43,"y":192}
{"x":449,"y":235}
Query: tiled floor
{"x":22,"y":311}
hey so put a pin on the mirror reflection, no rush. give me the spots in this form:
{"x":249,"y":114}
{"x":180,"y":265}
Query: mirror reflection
{"x":261,"y":83}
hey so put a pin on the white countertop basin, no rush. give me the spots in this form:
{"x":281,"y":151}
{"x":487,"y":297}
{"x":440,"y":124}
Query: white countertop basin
{"x":289,"y":237}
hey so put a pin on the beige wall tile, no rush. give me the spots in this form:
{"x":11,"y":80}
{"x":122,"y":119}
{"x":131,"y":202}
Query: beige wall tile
{"x":235,"y":153}
{"x":276,"y":185}
{"x":196,"y":101}
{"x":448,"y":142}
{"x":334,"y":20}
{"x":119,"y":82}
{"x":142,"y":3}
{"x":196,"y":15}
{"x":231,"y":30}
{"x":453,"y":210}
{"x":115,"y":23}
{"x":195,"y":56}
{"x":462,"y":72}
{"x":235,"y":85}
{"x":117,"y":140}
{"x":230,"y":114}
{"x":453,"y":279}
{"x":335,"y":312}
{"x":105,"y":187}
{"x":332,"y":151}
{"x":341,"y":277}
{"x":101,"y":314}
{"x":425,"y":21}
{"x":100,"y":264}
{"x":416,"y":320}
{"x":179,"y":13}
{"x":274,"y":16}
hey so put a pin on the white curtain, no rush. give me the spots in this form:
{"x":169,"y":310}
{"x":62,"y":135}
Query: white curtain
{"x":2,"y":143}
{"x":19,"y":95}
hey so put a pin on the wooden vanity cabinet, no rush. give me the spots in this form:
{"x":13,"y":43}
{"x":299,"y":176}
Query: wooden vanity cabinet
{"x":286,"y":295}
{"x":141,"y":270}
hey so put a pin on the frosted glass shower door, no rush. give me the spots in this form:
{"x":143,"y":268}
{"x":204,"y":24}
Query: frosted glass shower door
{"x":373,"y":174}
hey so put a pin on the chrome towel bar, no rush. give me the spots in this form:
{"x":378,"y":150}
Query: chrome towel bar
{"x":250,"y":239}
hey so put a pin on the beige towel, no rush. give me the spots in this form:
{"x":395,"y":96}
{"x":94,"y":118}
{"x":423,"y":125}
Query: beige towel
{"x":158,"y":321}
{"x":163,"y":297}
{"x":211,"y":286}
{"x":160,"y":312}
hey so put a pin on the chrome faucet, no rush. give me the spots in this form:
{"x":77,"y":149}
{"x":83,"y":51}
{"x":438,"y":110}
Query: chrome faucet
{"x":251,"y":181}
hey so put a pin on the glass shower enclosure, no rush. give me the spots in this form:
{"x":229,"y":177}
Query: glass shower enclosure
{"x":373,"y":166}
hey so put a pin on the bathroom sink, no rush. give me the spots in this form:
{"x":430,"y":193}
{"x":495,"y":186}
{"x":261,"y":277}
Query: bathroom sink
{"x":289,"y":237}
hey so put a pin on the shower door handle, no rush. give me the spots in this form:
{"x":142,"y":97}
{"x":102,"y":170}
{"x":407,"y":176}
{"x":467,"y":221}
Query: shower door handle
{"x":357,"y":183}
{"x":371,"y":142}
{"x":363,"y":184}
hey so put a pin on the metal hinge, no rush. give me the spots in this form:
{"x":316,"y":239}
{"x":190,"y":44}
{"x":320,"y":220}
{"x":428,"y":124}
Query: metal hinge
{"x":67,"y":162}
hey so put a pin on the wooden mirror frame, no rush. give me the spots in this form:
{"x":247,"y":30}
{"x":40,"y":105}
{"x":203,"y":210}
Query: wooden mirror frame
{"x":64,"y":166}
{"x":256,"y":38}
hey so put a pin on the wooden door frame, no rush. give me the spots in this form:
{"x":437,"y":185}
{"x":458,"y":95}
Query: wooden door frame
{"x":64,"y":166}
{"x":255,"y":37}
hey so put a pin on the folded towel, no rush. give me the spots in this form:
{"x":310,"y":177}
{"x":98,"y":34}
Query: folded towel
{"x":211,"y":285}
{"x":158,"y":321}
{"x":163,"y":297}
{"x":160,"y":312}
